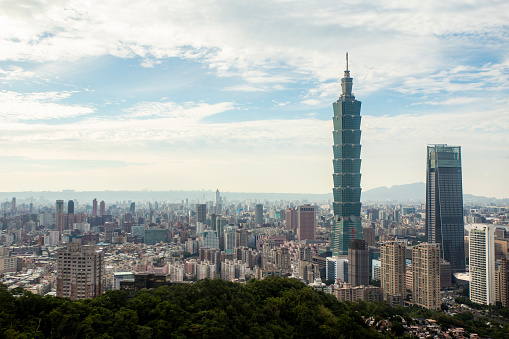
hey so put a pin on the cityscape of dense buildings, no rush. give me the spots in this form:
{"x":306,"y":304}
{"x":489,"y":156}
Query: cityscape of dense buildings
{"x":404,"y":254}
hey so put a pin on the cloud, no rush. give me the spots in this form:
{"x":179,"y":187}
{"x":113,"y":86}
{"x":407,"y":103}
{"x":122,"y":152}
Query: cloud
{"x":38,"y":106}
{"x":246,"y":88}
{"x":450,"y":101}
{"x":15,"y":73}
{"x":306,"y":39}
{"x":312,"y":102}
{"x":190,"y":112}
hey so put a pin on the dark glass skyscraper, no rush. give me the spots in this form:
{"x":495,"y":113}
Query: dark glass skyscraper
{"x":444,"y":204}
{"x":347,"y":167}
{"x":70,"y":207}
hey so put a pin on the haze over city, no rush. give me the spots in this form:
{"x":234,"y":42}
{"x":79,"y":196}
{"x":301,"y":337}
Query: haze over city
{"x":192,"y":95}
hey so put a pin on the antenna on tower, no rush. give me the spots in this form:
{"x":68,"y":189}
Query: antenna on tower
{"x":347,"y":61}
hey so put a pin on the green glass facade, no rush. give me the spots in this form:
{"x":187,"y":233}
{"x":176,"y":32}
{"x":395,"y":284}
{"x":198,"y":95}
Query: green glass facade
{"x":347,"y":167}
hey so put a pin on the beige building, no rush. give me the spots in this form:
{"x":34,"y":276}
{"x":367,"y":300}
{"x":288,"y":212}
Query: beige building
{"x":347,"y":292}
{"x":502,"y":282}
{"x":80,"y":271}
{"x":8,"y":263}
{"x":426,"y":275}
{"x":393,"y":269}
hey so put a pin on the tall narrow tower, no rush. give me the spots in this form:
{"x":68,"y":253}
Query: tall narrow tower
{"x":347,"y":168}
{"x":482,"y":263}
{"x":444,"y":204}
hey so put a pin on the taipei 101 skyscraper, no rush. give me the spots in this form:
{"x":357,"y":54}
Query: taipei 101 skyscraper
{"x":347,"y":168}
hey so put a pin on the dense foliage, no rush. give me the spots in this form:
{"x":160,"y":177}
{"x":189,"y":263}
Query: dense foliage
{"x":271,"y":308}
{"x":275,"y":307}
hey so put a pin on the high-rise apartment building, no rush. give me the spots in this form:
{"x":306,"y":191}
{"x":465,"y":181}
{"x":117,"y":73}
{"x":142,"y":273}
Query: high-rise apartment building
{"x":426,"y":275}
{"x":70,"y":207}
{"x":80,"y":271}
{"x":59,"y":209}
{"x":259,"y":214}
{"x":307,"y":222}
{"x":291,"y":219}
{"x":444,"y":204}
{"x":482,"y":263}
{"x":347,"y":166}
{"x":103,"y":208}
{"x":201,"y":213}
{"x":393,"y":271}
{"x":502,"y":282}
{"x":94,"y":206}
{"x":358,"y":263}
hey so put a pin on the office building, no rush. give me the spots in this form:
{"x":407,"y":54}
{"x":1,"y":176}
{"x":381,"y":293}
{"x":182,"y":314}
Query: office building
{"x":368,"y":235}
{"x":155,"y":236}
{"x":347,"y":165}
{"x":444,"y":204}
{"x":358,"y":263}
{"x":70,"y":207}
{"x":306,"y":222}
{"x":94,"y":206}
{"x":201,"y":213}
{"x":337,"y":268}
{"x":118,"y":277}
{"x":13,"y":205}
{"x":210,"y":239}
{"x":426,"y":275}
{"x":80,"y":271}
{"x":259,"y":214}
{"x":218,"y":203}
{"x":393,"y":271}
{"x":132,"y":209}
{"x":229,"y":238}
{"x":482,"y":264}
{"x":291,"y":219}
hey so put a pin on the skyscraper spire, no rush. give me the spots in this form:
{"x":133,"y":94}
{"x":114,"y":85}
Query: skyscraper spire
{"x":347,"y":165}
{"x":346,"y":83}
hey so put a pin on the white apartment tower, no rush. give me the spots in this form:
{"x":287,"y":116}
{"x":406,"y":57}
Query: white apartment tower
{"x":482,"y":264}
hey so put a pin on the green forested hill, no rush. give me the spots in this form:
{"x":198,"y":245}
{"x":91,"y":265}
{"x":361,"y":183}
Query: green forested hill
{"x":272,"y":308}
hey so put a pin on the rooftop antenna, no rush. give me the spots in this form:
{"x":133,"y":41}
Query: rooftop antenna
{"x":347,"y":61}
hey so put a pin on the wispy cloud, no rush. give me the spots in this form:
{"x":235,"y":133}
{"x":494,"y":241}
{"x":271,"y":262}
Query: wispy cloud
{"x":38,"y":106}
{"x":15,"y":73}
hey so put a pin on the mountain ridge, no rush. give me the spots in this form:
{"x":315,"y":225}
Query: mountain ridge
{"x":414,"y":192}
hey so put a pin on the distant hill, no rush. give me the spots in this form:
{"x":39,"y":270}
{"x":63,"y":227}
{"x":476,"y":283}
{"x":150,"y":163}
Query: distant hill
{"x":398,"y":193}
{"x":416,"y":192}
{"x":401,"y":193}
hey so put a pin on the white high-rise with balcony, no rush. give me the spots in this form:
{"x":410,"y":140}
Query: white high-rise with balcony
{"x":482,"y":264}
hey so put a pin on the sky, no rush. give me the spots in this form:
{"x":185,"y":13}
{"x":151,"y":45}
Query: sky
{"x":237,"y":95}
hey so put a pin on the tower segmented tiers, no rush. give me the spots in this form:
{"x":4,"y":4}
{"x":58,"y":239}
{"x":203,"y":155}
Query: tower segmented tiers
{"x":347,"y":167}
